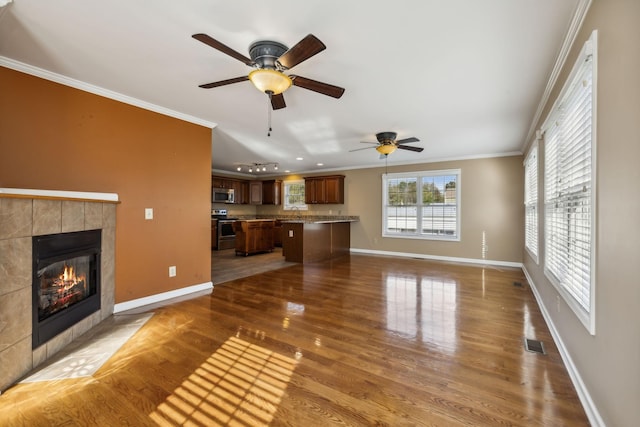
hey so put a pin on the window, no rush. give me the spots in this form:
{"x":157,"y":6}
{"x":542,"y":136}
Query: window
{"x":569,"y":149}
{"x":531,"y":202}
{"x":294,"y":195}
{"x":423,"y":205}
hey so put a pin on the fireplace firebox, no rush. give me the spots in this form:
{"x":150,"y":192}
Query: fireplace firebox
{"x":66,"y":281}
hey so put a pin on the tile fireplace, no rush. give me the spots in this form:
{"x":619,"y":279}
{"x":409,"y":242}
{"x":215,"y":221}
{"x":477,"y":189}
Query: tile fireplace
{"x":25,"y":218}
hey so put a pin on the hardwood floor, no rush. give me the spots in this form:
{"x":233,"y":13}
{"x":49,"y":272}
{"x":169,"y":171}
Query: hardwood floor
{"x":357,"y":341}
{"x":226,"y":265}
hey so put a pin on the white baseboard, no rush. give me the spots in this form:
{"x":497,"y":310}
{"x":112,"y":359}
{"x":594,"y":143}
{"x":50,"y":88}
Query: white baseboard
{"x":153,"y":299}
{"x":439,"y":258}
{"x":583,"y":394}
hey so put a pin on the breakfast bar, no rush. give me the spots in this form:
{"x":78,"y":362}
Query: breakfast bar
{"x":315,"y":240}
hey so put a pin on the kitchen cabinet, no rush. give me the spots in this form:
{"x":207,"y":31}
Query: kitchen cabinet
{"x":244,"y":192}
{"x":277,"y":233}
{"x":253,"y":236}
{"x":271,"y":192}
{"x":214,"y":234}
{"x":324,"y":190}
{"x":255,"y":192}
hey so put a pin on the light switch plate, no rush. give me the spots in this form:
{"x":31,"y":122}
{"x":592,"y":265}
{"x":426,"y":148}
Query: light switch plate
{"x":148,"y":213}
{"x":290,"y":233}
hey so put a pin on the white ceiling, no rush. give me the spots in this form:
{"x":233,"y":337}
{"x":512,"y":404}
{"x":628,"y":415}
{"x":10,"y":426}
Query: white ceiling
{"x":464,"y":76}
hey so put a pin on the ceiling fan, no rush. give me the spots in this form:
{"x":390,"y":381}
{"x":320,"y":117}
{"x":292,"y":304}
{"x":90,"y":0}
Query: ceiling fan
{"x":270,"y":60}
{"x":387,"y":144}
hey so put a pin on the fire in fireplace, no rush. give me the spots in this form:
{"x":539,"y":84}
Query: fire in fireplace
{"x":66,"y":281}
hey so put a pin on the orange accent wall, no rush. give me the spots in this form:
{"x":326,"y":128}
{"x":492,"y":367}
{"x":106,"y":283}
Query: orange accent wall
{"x":59,"y":138}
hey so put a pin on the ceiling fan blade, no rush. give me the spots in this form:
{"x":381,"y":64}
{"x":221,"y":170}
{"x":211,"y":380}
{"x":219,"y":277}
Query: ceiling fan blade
{"x":303,"y":50}
{"x":410,"y":148}
{"x":222,"y":48}
{"x":358,"y":149}
{"x":407,"y":140}
{"x":277,"y":101}
{"x":316,"y":86}
{"x":224,"y":82}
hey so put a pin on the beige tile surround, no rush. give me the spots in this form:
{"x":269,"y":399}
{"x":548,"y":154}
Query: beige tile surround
{"x":20,"y":219}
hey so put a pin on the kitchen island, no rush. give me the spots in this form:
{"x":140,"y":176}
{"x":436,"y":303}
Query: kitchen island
{"x":312,"y":240}
{"x":253,"y":236}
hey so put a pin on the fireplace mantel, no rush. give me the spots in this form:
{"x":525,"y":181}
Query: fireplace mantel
{"x":58,"y":194}
{"x":25,"y":213}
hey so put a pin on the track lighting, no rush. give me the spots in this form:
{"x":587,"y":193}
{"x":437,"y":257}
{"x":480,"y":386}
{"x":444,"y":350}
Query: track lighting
{"x":257,"y":167}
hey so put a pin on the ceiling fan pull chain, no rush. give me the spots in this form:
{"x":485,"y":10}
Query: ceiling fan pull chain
{"x":269,"y":112}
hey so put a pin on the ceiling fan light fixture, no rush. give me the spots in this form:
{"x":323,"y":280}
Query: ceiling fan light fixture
{"x":267,"y":80}
{"x":386,"y":149}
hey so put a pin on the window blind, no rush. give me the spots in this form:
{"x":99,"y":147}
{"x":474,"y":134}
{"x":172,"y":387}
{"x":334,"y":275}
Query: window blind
{"x":568,"y":188}
{"x":531,"y":201}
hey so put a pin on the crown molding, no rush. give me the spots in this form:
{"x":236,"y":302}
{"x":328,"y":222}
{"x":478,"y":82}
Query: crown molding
{"x":97,"y":90}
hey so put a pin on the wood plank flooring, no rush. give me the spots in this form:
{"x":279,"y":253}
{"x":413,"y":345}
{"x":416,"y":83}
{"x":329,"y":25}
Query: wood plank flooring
{"x":226,"y":265}
{"x":357,"y":341}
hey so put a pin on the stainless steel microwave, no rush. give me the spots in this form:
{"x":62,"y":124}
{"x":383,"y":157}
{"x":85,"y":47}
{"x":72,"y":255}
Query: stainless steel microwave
{"x":222,"y":195}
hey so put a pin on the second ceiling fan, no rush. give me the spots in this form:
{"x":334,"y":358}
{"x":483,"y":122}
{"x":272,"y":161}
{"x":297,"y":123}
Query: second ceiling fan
{"x":270,"y":59}
{"x":387,"y":144}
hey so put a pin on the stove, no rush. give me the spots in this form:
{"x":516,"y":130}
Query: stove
{"x":226,"y":237}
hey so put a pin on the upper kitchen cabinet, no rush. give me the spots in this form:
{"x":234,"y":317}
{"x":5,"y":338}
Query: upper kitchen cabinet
{"x":255,"y":192}
{"x":271,"y":192}
{"x":324,"y":189}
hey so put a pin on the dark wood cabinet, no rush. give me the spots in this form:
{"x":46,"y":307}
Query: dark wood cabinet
{"x":253,"y":236}
{"x":271,"y":192}
{"x":244,"y":192}
{"x":277,"y":233}
{"x":324,"y":190}
{"x":214,"y":234}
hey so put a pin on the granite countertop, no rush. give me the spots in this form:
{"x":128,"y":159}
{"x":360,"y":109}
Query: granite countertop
{"x":304,"y":219}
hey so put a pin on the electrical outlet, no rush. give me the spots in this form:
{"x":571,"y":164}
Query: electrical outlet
{"x":172,"y":271}
{"x":290,"y":233}
{"x":148,"y":213}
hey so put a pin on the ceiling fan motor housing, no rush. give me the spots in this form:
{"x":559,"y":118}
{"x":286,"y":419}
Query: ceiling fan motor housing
{"x":265,"y":53}
{"x":386,"y":137}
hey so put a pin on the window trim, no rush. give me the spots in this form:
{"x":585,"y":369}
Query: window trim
{"x":528,"y":163}
{"x":285,"y":192}
{"x":587,"y":318}
{"x":419,"y":175}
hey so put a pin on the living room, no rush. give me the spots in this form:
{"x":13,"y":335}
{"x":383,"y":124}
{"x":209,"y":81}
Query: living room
{"x":60,"y":137}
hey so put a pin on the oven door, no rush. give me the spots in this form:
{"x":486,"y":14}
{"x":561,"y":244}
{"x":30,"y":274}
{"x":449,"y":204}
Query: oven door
{"x":226,"y":235}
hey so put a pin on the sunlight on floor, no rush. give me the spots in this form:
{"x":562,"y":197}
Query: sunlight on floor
{"x":240,"y":384}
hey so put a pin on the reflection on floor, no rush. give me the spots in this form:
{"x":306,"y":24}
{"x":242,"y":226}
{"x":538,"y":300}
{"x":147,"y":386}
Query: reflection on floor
{"x":226,"y":266}
{"x":89,"y":352}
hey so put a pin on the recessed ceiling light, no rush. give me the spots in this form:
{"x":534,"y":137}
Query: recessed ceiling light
{"x":319,"y":164}
{"x":299,"y":158}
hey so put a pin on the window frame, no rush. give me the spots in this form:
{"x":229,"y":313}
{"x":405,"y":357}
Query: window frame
{"x":285,"y":199}
{"x":531,"y":197}
{"x":418,"y":176}
{"x":586,"y":315}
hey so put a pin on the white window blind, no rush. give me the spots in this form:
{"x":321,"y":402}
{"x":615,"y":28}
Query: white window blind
{"x":568,"y":176}
{"x":531,"y":201}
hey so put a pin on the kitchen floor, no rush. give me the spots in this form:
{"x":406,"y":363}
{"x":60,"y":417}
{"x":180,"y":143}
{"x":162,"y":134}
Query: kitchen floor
{"x":226,"y":266}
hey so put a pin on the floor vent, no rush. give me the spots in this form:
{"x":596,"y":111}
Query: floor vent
{"x":518,"y":284}
{"x":534,"y":346}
